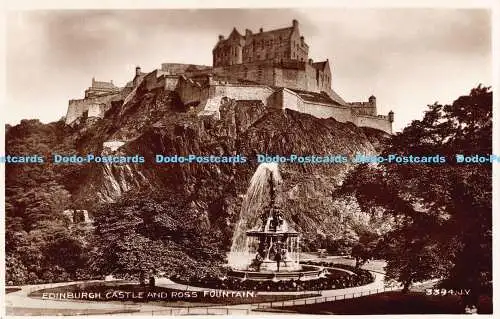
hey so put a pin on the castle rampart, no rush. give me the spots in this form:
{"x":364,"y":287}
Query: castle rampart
{"x":213,"y":95}
{"x":92,"y":107}
{"x":272,"y":67}
{"x":291,"y":100}
{"x":191,"y":92}
{"x":380,"y":122}
{"x":307,"y":76}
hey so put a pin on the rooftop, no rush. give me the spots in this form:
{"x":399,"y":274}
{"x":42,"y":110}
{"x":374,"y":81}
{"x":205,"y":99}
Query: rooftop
{"x":317,"y":97}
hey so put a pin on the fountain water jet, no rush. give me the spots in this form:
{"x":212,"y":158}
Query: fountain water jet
{"x":256,"y":198}
{"x":270,"y":250}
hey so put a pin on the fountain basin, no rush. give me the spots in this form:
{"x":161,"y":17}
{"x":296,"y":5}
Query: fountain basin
{"x":307,"y":272}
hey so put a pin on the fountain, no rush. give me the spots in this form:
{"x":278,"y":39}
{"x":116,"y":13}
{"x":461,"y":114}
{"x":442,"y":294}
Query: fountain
{"x":271,"y":249}
{"x":265,"y":251}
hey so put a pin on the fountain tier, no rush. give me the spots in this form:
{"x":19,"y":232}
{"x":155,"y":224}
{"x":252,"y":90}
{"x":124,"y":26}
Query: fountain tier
{"x":270,"y":251}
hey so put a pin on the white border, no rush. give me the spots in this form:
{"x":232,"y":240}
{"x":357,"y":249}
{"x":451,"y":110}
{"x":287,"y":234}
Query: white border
{"x":14,"y":5}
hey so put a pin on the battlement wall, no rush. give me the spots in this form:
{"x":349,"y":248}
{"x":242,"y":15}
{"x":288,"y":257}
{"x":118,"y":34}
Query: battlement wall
{"x":76,"y":108}
{"x":184,"y":69}
{"x":290,"y":100}
{"x":96,"y":110}
{"x":211,"y":96}
{"x":364,"y":108}
{"x":154,"y":79}
{"x":95,"y":107}
{"x":170,"y":82}
{"x":291,"y":74}
{"x":204,"y":91}
{"x":380,"y":122}
{"x":191,"y":92}
{"x":293,"y":101}
{"x":261,"y":73}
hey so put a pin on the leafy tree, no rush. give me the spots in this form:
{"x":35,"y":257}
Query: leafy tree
{"x":150,"y":235}
{"x":442,"y":211}
{"x":365,"y":248}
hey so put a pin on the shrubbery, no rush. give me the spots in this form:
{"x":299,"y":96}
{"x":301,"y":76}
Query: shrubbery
{"x":359,"y":278}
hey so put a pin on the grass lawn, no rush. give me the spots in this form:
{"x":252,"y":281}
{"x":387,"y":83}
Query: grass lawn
{"x":373,"y":265}
{"x":393,"y":303}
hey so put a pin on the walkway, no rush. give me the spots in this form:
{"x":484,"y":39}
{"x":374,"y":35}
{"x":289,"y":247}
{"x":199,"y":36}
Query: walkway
{"x":19,"y":303}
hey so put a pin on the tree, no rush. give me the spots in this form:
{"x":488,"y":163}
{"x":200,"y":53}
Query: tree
{"x":143,"y":234}
{"x":442,"y":211}
{"x":365,"y":248}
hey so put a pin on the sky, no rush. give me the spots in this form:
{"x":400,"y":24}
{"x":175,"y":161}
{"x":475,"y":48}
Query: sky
{"x":407,"y":57}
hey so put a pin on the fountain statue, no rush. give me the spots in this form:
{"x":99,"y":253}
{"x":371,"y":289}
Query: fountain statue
{"x":274,"y":244}
{"x":271,"y":249}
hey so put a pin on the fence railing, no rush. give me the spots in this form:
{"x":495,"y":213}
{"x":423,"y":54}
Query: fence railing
{"x":315,"y":300}
{"x":201,"y":311}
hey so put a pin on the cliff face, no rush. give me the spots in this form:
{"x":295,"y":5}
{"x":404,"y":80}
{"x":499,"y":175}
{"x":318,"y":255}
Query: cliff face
{"x":155,"y":122}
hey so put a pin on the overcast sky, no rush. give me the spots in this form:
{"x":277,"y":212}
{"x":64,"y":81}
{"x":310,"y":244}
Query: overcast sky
{"x":407,"y":58}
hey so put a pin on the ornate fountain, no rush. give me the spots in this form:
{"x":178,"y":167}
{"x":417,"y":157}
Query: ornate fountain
{"x":270,"y":250}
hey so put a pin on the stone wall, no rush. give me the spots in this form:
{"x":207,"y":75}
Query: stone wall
{"x":259,"y":72}
{"x":380,"y":122}
{"x":155,"y":79}
{"x":293,"y":101}
{"x":202,"y":90}
{"x":183,"y":69}
{"x":364,"y":108}
{"x":291,"y":74}
{"x":290,"y":100}
{"x":211,"y":96}
{"x":95,"y":107}
{"x":97,"y":110}
{"x":191,"y":92}
{"x":76,"y":109}
{"x":171,"y":82}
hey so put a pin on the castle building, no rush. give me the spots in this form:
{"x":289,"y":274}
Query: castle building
{"x":271,"y":66}
{"x":277,"y":58}
{"x":275,"y":45}
{"x":100,"y":88}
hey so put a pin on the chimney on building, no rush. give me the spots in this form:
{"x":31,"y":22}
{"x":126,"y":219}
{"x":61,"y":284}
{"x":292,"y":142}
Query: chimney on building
{"x":391,"y":116}
{"x":295,"y":23}
{"x":310,"y":61}
{"x":137,"y":70}
{"x":248,"y":33}
{"x":302,"y":39}
{"x":261,"y":30}
{"x":221,"y":37}
{"x":93,"y":81}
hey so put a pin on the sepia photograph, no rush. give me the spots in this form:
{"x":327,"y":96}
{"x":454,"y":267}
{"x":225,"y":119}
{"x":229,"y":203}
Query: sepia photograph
{"x":249,"y":161}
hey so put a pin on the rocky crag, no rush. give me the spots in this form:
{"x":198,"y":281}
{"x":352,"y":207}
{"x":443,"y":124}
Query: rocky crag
{"x":156,"y":122}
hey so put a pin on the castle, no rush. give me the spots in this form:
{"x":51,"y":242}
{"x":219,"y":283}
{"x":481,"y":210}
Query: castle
{"x":270,"y":66}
